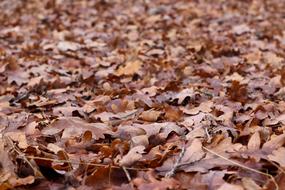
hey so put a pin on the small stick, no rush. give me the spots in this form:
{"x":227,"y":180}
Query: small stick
{"x":76,"y":162}
{"x":243,"y":166}
{"x":128,"y":176}
{"x":22,"y":155}
{"x":176,"y":165}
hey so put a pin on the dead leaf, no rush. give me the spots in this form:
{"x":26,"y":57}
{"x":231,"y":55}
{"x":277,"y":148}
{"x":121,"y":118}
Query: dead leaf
{"x":135,"y":154}
{"x":73,"y":126}
{"x":130,"y":68}
{"x":278,"y":156}
{"x":227,"y":186}
{"x":150,"y":115}
{"x":274,"y":143}
{"x":193,"y":153}
{"x":68,"y":46}
{"x":254,"y":142}
{"x":249,"y":184}
{"x":19,"y":137}
{"x":172,"y":113}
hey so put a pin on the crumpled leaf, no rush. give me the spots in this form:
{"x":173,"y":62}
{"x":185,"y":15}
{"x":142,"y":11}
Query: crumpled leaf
{"x":73,"y":126}
{"x":68,"y":46}
{"x":19,"y":137}
{"x":227,"y":186}
{"x":150,"y":115}
{"x":254,"y":142}
{"x":193,"y":153}
{"x":164,"y":129}
{"x":135,"y":154}
{"x":278,"y":156}
{"x":130,"y":68}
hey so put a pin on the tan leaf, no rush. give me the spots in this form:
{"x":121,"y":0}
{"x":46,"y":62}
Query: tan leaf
{"x":173,"y":113}
{"x":227,"y":186}
{"x":54,"y":148}
{"x":194,"y":152}
{"x":130,"y":68}
{"x":140,"y":140}
{"x":188,"y":92}
{"x":249,"y":184}
{"x":66,"y":46}
{"x":203,"y":107}
{"x":254,"y":142}
{"x":21,"y":181}
{"x":133,"y":155}
{"x":150,"y":115}
{"x":73,"y":126}
{"x":278,"y":156}
{"x":275,"y":142}
{"x":19,"y":137}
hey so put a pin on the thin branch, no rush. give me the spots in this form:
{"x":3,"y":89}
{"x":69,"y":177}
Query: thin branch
{"x":128,"y":177}
{"x":176,"y":164}
{"x":22,"y":155}
{"x":77,"y":162}
{"x":243,"y":166}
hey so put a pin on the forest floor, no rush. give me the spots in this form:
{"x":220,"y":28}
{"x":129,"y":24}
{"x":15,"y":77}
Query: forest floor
{"x":142,"y":94}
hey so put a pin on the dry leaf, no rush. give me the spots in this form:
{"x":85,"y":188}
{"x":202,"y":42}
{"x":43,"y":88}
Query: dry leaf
{"x":254,"y":142}
{"x":249,"y":184}
{"x":19,"y":137}
{"x":278,"y":156}
{"x":66,"y":46}
{"x":130,"y":68}
{"x":150,"y":115}
{"x":194,"y":152}
{"x":133,"y":155}
{"x":73,"y":127}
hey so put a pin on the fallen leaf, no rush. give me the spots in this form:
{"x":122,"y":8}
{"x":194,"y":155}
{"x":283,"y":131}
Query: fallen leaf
{"x":73,"y":126}
{"x":193,"y":152}
{"x":130,"y":68}
{"x":19,"y":137}
{"x":172,"y":113}
{"x":227,"y":186}
{"x":278,"y":156}
{"x":150,"y":115}
{"x":68,"y":46}
{"x":135,"y":154}
{"x":254,"y":142}
{"x":249,"y":184}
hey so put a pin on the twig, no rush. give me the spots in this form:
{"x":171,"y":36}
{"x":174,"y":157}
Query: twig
{"x":243,"y":166}
{"x":277,"y":166}
{"x":128,"y":177}
{"x":176,"y":164}
{"x":77,"y":162}
{"x":22,"y":155}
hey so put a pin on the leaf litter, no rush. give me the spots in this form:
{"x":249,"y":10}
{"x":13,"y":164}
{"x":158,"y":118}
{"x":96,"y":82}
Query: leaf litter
{"x":142,"y":94}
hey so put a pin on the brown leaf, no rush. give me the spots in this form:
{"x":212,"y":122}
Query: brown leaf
{"x":203,"y":107}
{"x":68,"y":46}
{"x":194,"y":152}
{"x":254,"y":142}
{"x":19,"y":137}
{"x":274,"y":143}
{"x":227,"y":186}
{"x":278,"y":156}
{"x":172,"y":113}
{"x":73,"y":126}
{"x":130,"y":68}
{"x":150,"y":115}
{"x":133,"y":155}
{"x":249,"y":184}
{"x":238,"y":92}
{"x":14,"y":182}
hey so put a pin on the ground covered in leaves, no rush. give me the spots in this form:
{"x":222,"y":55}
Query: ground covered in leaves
{"x":141,"y":94}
